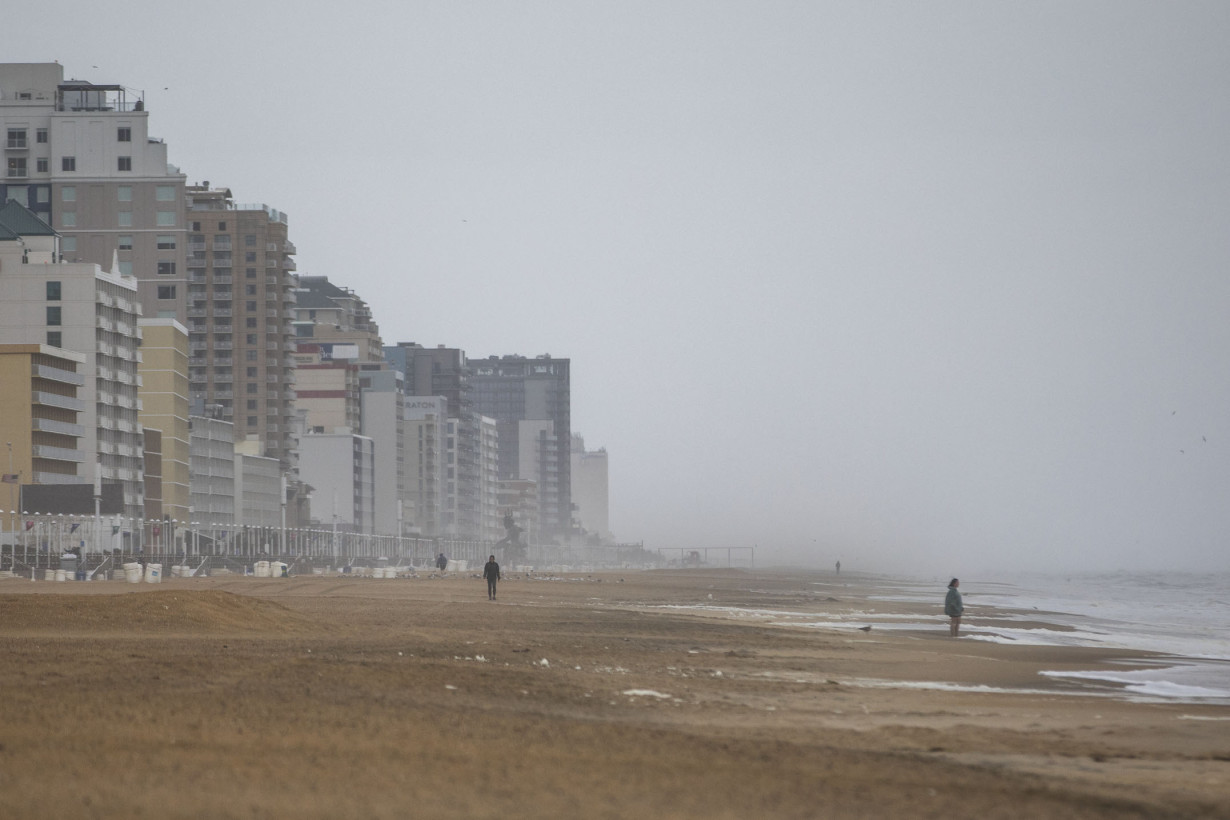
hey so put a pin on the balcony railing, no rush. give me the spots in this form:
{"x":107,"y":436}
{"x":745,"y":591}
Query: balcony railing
{"x":62,"y":428}
{"x":54,"y":400}
{"x":43,"y":371}
{"x":57,"y":453}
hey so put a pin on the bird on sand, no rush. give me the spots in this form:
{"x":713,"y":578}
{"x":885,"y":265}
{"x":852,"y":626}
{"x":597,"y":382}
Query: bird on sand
{"x":865,"y":628}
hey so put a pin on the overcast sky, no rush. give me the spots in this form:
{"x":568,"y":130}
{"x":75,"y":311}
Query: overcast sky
{"x":933,"y":286}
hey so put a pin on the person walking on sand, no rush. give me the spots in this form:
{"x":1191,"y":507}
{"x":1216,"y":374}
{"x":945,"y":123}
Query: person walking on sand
{"x":953,"y":607}
{"x":441,"y":562}
{"x":492,"y":573}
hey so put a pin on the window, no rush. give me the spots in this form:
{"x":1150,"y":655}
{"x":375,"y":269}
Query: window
{"x":68,"y":219}
{"x":249,"y":240}
{"x":42,"y":193}
{"x":126,"y":268}
{"x":17,"y":167}
{"x":68,"y":244}
{"x":250,"y":338}
{"x":40,"y":135}
{"x":68,"y":193}
{"x":222,"y":227}
{"x":166,"y":268}
{"x":55,"y":338}
{"x":68,"y":163}
{"x":166,"y":242}
{"x":249,"y":290}
{"x":251,"y":387}
{"x":124,"y":193}
{"x":251,"y":404}
{"x":40,"y":165}
{"x":123,"y":134}
{"x":249,"y":306}
{"x":165,"y":193}
{"x":249,"y":355}
{"x":250,"y":273}
{"x":125,"y":219}
{"x":166,"y":291}
{"x":124,"y":241}
{"x":249,"y":256}
{"x":196,"y":228}
{"x":251,"y":372}
{"x":123,"y":163}
{"x":53,"y":314}
{"x":165,"y":219}
{"x":250,"y":322}
{"x":53,"y":291}
{"x":20,"y":193}
{"x":251,"y":421}
{"x":17,"y":138}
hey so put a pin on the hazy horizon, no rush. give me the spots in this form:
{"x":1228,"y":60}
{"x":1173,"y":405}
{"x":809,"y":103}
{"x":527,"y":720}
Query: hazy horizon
{"x":927,"y":287}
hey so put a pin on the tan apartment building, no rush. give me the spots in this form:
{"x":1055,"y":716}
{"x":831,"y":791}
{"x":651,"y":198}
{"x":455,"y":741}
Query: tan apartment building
{"x":240,"y":313}
{"x":164,"y":407}
{"x":40,"y":417}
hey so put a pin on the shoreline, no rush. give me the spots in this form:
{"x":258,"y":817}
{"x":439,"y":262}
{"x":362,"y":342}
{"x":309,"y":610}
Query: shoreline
{"x":327,"y":696}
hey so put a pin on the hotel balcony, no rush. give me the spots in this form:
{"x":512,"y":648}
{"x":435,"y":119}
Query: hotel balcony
{"x":62,"y":428}
{"x":57,"y":453}
{"x":54,"y":400}
{"x":55,"y":374}
{"x":57,"y":478}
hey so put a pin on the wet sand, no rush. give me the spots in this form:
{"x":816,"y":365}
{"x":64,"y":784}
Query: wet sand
{"x":576,"y":696}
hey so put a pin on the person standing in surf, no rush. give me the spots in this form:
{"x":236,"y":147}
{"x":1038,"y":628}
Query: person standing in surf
{"x":953,"y":607}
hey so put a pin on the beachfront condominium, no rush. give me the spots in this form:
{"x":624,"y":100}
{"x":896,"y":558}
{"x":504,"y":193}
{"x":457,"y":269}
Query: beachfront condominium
{"x":466,"y":505}
{"x":335,"y":318}
{"x":530,"y":400}
{"x":341,"y":468}
{"x":40,"y":419}
{"x":240,"y":312}
{"x":163,"y":391}
{"x":80,"y":307}
{"x":590,"y":489}
{"x":426,"y":432}
{"x":211,"y":443}
{"x":80,"y":156}
{"x":383,"y":414}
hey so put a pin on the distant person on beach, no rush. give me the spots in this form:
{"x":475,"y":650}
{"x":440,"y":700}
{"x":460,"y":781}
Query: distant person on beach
{"x":492,"y":573}
{"x":953,"y":607}
{"x":839,"y":568}
{"x":441,"y":562}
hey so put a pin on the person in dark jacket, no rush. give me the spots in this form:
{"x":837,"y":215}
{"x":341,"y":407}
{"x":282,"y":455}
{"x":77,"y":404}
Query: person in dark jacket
{"x":953,"y":607}
{"x":441,"y":562}
{"x":492,"y":573}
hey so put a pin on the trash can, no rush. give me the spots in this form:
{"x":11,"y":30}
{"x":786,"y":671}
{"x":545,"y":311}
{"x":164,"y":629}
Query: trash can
{"x":81,"y":575}
{"x":68,"y":563}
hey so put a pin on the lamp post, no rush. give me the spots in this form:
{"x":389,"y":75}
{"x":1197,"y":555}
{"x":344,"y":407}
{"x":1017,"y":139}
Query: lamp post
{"x":12,"y":506}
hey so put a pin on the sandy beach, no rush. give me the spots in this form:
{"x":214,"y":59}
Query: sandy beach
{"x":604,"y":695}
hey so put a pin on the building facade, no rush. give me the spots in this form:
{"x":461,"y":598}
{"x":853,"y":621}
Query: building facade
{"x":212,"y":454}
{"x":40,"y":418}
{"x":341,"y":469}
{"x":590,"y":489}
{"x":80,"y":307}
{"x":163,"y":392}
{"x":80,"y":155}
{"x":240,"y":308}
{"x":530,"y":399}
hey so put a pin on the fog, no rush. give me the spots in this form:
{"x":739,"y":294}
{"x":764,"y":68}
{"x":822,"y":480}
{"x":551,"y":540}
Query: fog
{"x":938,"y":287}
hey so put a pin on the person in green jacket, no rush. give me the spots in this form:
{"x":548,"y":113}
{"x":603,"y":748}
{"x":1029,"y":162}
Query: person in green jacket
{"x":953,"y":607}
